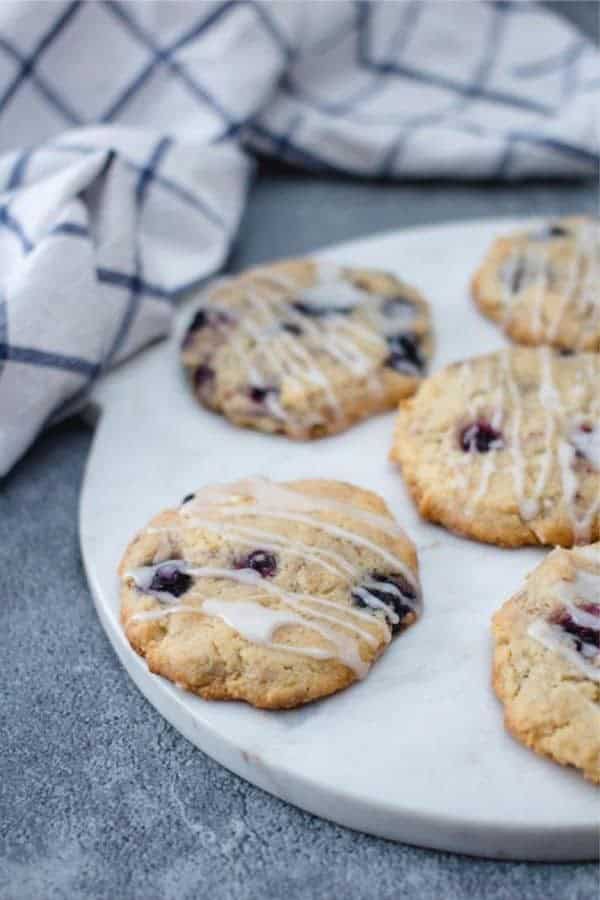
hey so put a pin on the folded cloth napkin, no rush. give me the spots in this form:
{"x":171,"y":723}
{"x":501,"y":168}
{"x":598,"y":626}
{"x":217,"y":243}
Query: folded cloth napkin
{"x":123,"y":128}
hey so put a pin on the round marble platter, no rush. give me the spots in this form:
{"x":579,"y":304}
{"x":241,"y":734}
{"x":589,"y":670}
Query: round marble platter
{"x":417,"y":752}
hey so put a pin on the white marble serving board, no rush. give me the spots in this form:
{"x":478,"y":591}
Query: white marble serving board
{"x":417,"y":752}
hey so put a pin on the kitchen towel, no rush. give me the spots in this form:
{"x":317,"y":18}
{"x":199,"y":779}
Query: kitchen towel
{"x":127,"y":132}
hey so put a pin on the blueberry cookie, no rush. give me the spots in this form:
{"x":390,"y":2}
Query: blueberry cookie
{"x":505,"y":448}
{"x":306,"y":348}
{"x":547,"y":659}
{"x":276,"y":594}
{"x":543,"y":285}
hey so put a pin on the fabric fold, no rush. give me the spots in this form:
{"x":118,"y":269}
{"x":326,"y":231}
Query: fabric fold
{"x":125,"y":130}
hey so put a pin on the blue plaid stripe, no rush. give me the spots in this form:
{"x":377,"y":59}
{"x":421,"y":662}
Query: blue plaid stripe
{"x":410,"y":14}
{"x":133,"y":283}
{"x":8,"y":221}
{"x":71,"y":229}
{"x":194,"y":201}
{"x":27,"y":66}
{"x":18,"y":171}
{"x":374,"y":41}
{"x":34,"y":357}
{"x":551,"y":64}
{"x":472,"y":91}
{"x":12,"y":224}
{"x":148,"y":172}
{"x":161,"y":56}
{"x":131,"y":309}
{"x":578,"y":153}
{"x":3,"y":327}
{"x":165,"y":56}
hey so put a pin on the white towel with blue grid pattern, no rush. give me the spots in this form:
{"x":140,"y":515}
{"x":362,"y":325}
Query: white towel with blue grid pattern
{"x":125,"y":130}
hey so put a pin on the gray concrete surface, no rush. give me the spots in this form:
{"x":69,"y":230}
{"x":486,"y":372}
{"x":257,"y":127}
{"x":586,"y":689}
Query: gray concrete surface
{"x":99,"y":796}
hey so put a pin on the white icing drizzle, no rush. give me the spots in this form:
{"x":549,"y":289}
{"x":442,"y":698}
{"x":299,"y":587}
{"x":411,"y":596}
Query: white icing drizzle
{"x":527,"y":509}
{"x":588,"y":443}
{"x":262,"y":490}
{"x":554,"y":638}
{"x":277,"y":353}
{"x":579,"y":290}
{"x":332,"y":289}
{"x":248,"y":536}
{"x":342,"y":627}
{"x":541,"y":282}
{"x":584,"y":588}
{"x":305,"y":369}
{"x":253,"y":617}
{"x":250,"y":577}
{"x":259,"y":624}
{"x":273,"y":501}
{"x":563,"y":436}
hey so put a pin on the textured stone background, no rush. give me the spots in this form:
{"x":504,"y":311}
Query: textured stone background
{"x":99,"y":796}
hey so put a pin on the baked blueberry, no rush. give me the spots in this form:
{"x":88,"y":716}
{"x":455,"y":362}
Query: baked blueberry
{"x":480,"y":436}
{"x":393,"y":590}
{"x":292,"y":328}
{"x":199,"y":321}
{"x":315,"y":311}
{"x":203,"y":374}
{"x":259,"y":394}
{"x":585,"y":637}
{"x":171,"y":579}
{"x":260,"y":561}
{"x":550,"y":231}
{"x":518,"y":275}
{"x":405,"y":354}
{"x":205,"y":318}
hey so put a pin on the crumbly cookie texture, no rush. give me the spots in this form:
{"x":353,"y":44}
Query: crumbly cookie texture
{"x":307,"y":348}
{"x":505,"y":448}
{"x":543,"y":285}
{"x":276,"y":594}
{"x":547,"y":659}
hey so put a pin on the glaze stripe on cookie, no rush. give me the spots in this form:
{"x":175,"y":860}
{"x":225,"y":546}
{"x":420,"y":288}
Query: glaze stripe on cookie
{"x":304,"y":348}
{"x":555,"y":415}
{"x":519,"y":427}
{"x":544,"y":286}
{"x":573,"y":627}
{"x":546,"y":668}
{"x":388,"y":601}
{"x":327,"y":302}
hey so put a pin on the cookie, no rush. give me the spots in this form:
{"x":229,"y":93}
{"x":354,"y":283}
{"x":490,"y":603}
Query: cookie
{"x":306,"y":348}
{"x":543,"y":285}
{"x":505,"y":448}
{"x":276,"y":594}
{"x":547,"y":659}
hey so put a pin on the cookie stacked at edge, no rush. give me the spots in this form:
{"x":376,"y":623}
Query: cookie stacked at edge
{"x":547,"y":659}
{"x":543,"y":285}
